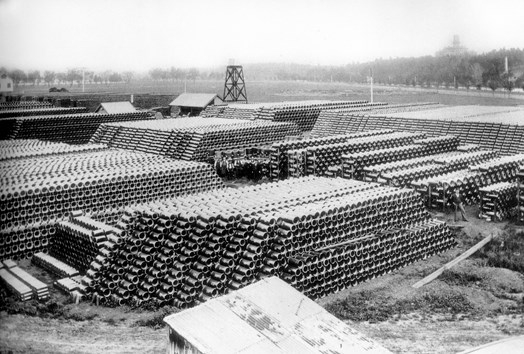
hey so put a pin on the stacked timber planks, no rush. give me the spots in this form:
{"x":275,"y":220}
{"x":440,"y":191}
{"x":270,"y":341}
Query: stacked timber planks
{"x":54,"y":265}
{"x":21,"y":290}
{"x":40,"y":289}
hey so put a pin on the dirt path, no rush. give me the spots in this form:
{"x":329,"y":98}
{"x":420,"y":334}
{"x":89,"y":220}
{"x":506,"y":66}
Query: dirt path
{"x":412,"y":334}
{"x":23,"y":334}
{"x":438,"y":335}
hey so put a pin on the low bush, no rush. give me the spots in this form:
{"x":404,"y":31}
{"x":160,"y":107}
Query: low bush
{"x":506,"y":251}
{"x":365,"y":306}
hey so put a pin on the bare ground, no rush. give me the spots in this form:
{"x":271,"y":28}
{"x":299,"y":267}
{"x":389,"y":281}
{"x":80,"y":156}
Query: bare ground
{"x":23,"y":334}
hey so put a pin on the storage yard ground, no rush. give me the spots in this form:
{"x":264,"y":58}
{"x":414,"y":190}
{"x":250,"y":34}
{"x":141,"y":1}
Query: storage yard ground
{"x":467,"y":311}
{"x":478,"y":301}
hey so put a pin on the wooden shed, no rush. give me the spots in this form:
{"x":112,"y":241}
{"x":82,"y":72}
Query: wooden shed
{"x":191,"y":103}
{"x":269,"y":316}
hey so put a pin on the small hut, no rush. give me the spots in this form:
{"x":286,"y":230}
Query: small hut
{"x":191,"y":104}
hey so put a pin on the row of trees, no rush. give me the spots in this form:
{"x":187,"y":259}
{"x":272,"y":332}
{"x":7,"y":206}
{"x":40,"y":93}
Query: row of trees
{"x":71,"y":76}
{"x":470,"y":70}
{"x":75,"y":76}
{"x":483,"y":70}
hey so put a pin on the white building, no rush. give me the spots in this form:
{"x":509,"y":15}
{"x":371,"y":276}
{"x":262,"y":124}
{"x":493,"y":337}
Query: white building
{"x":6,"y":83}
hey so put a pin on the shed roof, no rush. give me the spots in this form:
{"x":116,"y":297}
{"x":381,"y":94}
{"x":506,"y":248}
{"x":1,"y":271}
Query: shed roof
{"x":116,"y":107}
{"x":269,"y":316}
{"x":195,"y":100}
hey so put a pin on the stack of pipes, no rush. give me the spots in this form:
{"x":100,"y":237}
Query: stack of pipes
{"x":183,"y":251}
{"x":68,"y":128}
{"x":191,"y":139}
{"x":39,"y":191}
{"x":498,"y":201}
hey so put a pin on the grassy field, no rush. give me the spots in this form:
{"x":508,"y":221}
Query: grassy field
{"x":275,"y":91}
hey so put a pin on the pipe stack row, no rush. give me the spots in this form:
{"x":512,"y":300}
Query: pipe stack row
{"x":67,"y":128}
{"x":375,"y":173}
{"x":37,"y":192}
{"x":520,"y":195}
{"x":303,"y":113}
{"x":498,"y":201}
{"x":403,"y":177}
{"x":16,"y":105}
{"x":78,"y":241}
{"x":327,"y":270}
{"x":505,"y":138}
{"x":353,"y":164}
{"x":27,"y":148}
{"x":319,"y":158}
{"x":283,"y":152}
{"x":191,"y":139}
{"x":40,"y":111}
{"x":186,"y":250}
{"x":438,"y":190}
{"x":23,"y":241}
{"x":339,"y":121}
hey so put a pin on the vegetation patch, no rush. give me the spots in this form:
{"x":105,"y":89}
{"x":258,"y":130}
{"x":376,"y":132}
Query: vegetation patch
{"x":506,"y":251}
{"x":365,"y":306}
{"x":156,"y":319}
{"x":454,"y":277}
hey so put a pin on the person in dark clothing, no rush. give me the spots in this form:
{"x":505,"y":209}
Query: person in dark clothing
{"x":457,"y":201}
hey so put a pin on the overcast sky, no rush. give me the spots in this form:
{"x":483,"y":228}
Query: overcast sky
{"x":139,"y":35}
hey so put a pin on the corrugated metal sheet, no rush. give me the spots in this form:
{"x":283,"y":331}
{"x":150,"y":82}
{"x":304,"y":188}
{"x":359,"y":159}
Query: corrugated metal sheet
{"x":195,"y":100}
{"x":116,"y":107}
{"x":269,"y":316}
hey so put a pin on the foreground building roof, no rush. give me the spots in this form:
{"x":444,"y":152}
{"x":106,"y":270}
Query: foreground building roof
{"x":269,"y":316}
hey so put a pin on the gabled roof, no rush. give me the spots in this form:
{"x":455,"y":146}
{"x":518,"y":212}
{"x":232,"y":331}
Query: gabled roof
{"x":269,"y":316}
{"x":195,"y":100}
{"x":116,"y":107}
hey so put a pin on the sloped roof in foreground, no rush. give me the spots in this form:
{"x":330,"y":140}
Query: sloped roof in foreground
{"x":269,"y":316}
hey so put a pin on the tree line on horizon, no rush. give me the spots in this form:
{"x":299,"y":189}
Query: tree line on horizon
{"x":468,"y":70}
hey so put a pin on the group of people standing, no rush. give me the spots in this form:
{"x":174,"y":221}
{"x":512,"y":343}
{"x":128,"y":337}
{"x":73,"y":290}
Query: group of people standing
{"x":252,"y":169}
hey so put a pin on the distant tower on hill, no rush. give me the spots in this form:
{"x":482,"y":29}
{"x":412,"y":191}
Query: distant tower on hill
{"x":455,"y":50}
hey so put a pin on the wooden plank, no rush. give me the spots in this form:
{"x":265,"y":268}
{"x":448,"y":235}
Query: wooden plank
{"x":20,"y":289}
{"x":451,"y":264}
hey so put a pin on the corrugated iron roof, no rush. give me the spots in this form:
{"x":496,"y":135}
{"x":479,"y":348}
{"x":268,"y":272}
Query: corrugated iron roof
{"x":269,"y":316}
{"x":116,"y":107}
{"x":195,"y":100}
